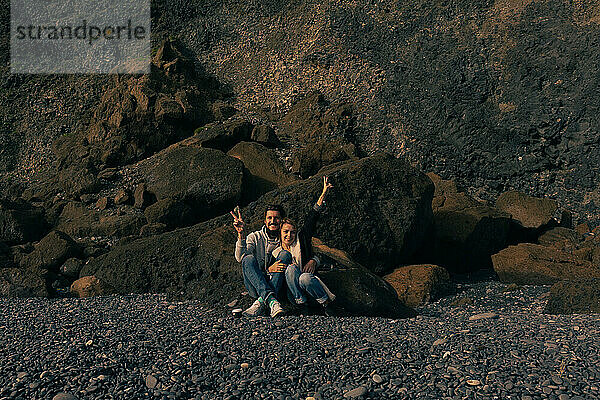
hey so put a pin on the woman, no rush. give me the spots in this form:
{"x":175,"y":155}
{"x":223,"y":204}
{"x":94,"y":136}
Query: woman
{"x":296,"y":255}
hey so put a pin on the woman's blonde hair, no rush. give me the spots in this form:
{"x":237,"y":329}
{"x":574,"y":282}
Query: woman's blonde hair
{"x":289,"y":221}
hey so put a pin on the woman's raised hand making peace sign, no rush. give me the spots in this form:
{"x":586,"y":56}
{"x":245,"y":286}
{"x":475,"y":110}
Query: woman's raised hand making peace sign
{"x":326,"y":187}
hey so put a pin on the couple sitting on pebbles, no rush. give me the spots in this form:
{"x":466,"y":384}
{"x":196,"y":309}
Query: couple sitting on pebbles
{"x":279,"y":253}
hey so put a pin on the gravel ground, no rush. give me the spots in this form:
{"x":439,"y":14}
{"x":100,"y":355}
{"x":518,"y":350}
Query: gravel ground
{"x":144,"y":347}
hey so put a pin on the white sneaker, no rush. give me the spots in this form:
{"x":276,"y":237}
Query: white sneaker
{"x":276,"y":309}
{"x":257,"y":308}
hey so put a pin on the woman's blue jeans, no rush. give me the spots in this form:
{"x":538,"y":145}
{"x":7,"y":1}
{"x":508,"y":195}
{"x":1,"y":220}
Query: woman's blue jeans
{"x":300,"y":282}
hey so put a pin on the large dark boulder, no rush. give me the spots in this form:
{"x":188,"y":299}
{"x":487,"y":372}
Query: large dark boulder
{"x":195,"y":262}
{"x":23,"y":282}
{"x":208,"y":180}
{"x":189,"y":264}
{"x":78,"y":180}
{"x":170,"y":212}
{"x":223,"y":135}
{"x":358,"y":291}
{"x":40,"y":267}
{"x":309,"y":160}
{"x":377,"y":212}
{"x":215,"y":272}
{"x":534,"y":264}
{"x":75,"y":173}
{"x":20,"y":222}
{"x":51,"y":252}
{"x":574,"y":297}
{"x":80,"y":221}
{"x":263,"y":170}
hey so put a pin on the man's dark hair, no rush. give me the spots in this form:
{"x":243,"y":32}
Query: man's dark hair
{"x":275,"y":207}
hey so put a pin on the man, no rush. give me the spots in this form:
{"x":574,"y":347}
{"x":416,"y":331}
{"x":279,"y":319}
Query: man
{"x":263,"y":280}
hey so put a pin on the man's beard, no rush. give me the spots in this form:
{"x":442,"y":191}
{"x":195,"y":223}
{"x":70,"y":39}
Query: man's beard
{"x":273,"y":234}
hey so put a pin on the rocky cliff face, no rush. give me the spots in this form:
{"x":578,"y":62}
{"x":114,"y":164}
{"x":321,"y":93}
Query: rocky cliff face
{"x":497,"y":95}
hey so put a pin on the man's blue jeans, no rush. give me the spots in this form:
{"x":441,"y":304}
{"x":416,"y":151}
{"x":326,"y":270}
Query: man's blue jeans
{"x":300,"y":282}
{"x":258,"y":282}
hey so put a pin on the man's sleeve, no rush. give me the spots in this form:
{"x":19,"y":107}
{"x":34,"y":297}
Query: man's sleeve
{"x":245,"y":246}
{"x":240,"y":249}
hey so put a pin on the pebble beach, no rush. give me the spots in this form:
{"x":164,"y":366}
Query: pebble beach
{"x":482,"y":343}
